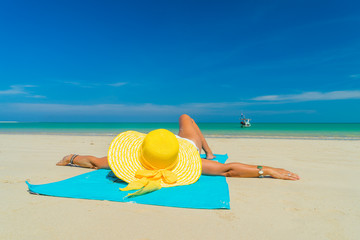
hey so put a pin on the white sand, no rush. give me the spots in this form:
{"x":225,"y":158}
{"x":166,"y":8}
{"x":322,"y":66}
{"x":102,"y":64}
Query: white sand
{"x":324,"y":204}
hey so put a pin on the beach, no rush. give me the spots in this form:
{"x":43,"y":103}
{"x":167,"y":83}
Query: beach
{"x":324,"y":204}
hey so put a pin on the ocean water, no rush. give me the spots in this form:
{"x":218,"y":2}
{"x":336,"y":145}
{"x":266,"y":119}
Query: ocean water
{"x":347,"y":131}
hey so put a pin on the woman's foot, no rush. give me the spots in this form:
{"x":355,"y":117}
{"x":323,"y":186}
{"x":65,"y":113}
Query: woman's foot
{"x":65,"y":161}
{"x":84,"y":161}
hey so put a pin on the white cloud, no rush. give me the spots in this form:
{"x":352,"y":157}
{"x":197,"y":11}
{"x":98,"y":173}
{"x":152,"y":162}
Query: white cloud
{"x":279,"y":112}
{"x":118,"y":84}
{"x":310,"y":96}
{"x":135,"y":112}
{"x":80,"y":84}
{"x":72,"y":83}
{"x":16,"y":89}
{"x":37,"y":96}
{"x":218,"y":105}
{"x":355,"y":76}
{"x":20,"y":90}
{"x":110,"y":110}
{"x":92,"y":85}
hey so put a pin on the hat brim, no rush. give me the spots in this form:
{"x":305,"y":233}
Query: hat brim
{"x":124,"y":159}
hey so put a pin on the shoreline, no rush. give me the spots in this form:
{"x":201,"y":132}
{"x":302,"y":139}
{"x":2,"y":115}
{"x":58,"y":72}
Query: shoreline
{"x":289,"y":137}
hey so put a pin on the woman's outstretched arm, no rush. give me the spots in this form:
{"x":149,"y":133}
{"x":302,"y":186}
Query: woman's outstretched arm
{"x":210,"y":167}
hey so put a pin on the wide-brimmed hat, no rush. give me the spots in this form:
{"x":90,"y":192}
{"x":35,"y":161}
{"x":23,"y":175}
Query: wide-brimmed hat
{"x":154,"y":160}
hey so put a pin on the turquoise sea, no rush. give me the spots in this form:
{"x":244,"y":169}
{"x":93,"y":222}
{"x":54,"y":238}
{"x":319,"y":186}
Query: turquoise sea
{"x":347,"y":131}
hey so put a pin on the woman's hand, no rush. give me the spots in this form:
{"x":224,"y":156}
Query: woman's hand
{"x":280,"y":173}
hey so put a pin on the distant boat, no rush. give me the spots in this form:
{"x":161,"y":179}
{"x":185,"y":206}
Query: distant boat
{"x":244,"y":122}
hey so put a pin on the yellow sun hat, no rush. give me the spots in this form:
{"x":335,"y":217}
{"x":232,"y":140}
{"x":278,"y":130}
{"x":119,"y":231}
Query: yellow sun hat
{"x":151,"y":161}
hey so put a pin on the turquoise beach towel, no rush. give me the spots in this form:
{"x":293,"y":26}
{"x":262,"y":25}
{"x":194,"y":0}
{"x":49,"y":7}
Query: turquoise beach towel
{"x":209,"y":192}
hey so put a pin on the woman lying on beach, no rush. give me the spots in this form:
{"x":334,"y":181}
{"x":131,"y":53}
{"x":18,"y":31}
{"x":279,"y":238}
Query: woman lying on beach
{"x":190,"y":131}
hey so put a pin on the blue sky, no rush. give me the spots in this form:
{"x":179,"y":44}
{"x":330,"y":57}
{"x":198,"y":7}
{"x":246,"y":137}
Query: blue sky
{"x":121,"y":61}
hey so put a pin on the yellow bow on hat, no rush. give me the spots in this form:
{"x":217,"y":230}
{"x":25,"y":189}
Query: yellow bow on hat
{"x":149,"y":181}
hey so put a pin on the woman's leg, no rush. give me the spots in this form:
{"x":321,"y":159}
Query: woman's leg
{"x":190,"y":130}
{"x":85,"y":161}
{"x":237,"y":169}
